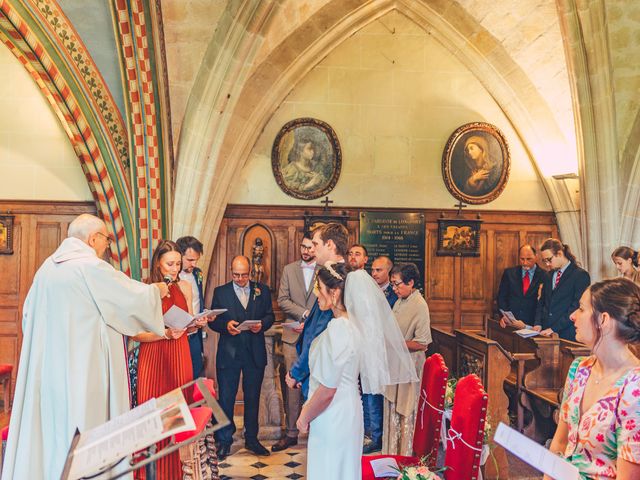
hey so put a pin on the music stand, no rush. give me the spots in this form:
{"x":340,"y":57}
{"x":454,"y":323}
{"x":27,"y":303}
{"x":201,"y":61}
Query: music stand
{"x":218,"y":416}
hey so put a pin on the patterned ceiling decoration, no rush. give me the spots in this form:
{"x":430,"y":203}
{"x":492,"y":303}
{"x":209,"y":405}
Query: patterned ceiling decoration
{"x":91,"y":136}
{"x":144,"y":107}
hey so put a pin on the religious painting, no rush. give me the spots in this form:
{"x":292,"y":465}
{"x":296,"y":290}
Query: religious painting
{"x":476,"y":163}
{"x":306,"y":158}
{"x":6,"y":234}
{"x":458,"y":238}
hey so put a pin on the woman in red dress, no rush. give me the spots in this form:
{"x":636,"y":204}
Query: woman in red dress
{"x":164,"y":363}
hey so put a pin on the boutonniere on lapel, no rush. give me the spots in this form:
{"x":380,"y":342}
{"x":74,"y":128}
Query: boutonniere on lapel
{"x":199,"y":276}
{"x":256,"y":292}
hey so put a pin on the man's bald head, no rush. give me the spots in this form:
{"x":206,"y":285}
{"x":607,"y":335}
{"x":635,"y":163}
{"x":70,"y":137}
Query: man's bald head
{"x":528,"y":257}
{"x":240,"y":267}
{"x":92,"y":231}
{"x":380,"y":269}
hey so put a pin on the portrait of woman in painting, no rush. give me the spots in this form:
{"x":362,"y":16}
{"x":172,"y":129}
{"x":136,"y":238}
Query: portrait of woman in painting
{"x":476,"y":163}
{"x":306,"y":159}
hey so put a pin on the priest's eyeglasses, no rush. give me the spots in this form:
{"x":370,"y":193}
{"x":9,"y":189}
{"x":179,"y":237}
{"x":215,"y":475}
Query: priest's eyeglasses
{"x":107,"y":237}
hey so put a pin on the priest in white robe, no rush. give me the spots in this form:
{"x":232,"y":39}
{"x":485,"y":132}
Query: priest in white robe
{"x":73,"y":366}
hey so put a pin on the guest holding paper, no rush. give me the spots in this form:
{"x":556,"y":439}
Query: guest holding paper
{"x":412,"y":315}
{"x":519,"y":289}
{"x":599,"y":425}
{"x":164,"y":363}
{"x":241,"y":351}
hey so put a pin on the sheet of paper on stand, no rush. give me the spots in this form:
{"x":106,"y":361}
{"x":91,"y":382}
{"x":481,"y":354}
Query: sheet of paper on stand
{"x":527,"y":332}
{"x":292,"y":324}
{"x":535,"y":455}
{"x":101,"y":447}
{"x":385,"y":467}
{"x":248,"y":324}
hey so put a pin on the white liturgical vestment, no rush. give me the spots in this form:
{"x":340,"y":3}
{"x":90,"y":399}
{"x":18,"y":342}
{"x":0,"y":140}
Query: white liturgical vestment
{"x":73,"y":367}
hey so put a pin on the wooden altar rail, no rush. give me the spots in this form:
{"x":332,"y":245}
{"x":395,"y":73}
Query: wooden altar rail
{"x":465,"y":353}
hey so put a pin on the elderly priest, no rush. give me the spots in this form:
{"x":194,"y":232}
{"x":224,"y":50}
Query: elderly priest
{"x":73,"y":369}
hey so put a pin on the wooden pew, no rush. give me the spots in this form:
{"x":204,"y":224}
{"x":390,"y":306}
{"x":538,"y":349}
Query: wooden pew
{"x":535,"y":364}
{"x":492,"y":363}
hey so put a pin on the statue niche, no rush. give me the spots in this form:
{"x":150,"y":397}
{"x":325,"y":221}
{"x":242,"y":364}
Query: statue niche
{"x":257,"y":246}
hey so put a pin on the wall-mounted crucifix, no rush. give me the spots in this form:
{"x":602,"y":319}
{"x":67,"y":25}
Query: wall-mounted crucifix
{"x":326,"y":203}
{"x":460,"y":206}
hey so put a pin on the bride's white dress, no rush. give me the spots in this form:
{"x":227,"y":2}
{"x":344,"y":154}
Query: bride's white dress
{"x":335,"y":436}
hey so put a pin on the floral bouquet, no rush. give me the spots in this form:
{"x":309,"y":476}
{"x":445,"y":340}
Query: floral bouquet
{"x":418,"y":472}
{"x":450,"y":392}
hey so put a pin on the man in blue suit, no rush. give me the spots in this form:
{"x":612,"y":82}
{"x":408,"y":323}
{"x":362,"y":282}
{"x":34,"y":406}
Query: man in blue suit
{"x":330,"y":243}
{"x":241,"y":352}
{"x":191,"y":249}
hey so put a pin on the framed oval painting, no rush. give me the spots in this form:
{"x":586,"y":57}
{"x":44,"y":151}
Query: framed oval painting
{"x":476,"y":163}
{"x":306,"y":158}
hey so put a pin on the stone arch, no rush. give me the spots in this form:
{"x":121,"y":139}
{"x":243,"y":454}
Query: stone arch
{"x":229,"y":135}
{"x":98,"y":162}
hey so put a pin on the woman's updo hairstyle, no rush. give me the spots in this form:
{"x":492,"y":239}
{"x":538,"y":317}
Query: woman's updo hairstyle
{"x":626,"y":253}
{"x":334,"y":275}
{"x":620,"y":298}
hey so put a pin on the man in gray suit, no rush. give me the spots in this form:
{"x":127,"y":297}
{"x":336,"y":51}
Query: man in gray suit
{"x":296,"y":299}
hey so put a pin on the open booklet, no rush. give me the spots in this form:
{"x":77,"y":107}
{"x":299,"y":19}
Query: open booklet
{"x":509,"y":316}
{"x":103,"y":446}
{"x":177,"y":318}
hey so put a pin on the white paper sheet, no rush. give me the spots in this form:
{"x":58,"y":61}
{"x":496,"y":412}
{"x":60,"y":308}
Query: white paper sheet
{"x":385,"y":467}
{"x":248,"y":323}
{"x":527,"y":332}
{"x":292,"y":325}
{"x":510,"y":316}
{"x":177,"y":318}
{"x":535,"y":455}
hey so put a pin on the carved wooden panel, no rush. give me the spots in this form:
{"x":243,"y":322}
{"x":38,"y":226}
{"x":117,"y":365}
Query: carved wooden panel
{"x":39,"y":228}
{"x":505,"y":248}
{"x":474,"y":273}
{"x":440,"y":283}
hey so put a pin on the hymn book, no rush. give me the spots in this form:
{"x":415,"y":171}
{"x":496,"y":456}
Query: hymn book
{"x":101,"y":447}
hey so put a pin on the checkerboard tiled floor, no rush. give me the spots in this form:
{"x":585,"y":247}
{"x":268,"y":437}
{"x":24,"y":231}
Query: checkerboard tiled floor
{"x":243,"y":464}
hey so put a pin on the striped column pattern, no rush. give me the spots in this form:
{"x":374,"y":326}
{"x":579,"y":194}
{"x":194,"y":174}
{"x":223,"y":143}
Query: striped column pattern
{"x":16,"y":34}
{"x":134,"y":37}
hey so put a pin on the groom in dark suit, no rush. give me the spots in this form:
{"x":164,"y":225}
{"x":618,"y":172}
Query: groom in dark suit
{"x":241,"y":352}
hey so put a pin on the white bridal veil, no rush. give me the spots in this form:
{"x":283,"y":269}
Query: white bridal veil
{"x":384,"y":357}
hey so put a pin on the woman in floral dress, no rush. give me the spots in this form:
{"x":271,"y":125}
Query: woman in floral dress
{"x":599,"y":426}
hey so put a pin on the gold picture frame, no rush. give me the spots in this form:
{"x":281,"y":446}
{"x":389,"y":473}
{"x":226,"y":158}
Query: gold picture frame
{"x":476,"y":163}
{"x":6,"y":234}
{"x":306,"y":158}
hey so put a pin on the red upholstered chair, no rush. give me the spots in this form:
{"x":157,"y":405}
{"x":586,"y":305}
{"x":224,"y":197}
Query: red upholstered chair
{"x":5,"y":436}
{"x":465,"y":436}
{"x":5,"y":379}
{"x":197,"y":394}
{"x":426,"y":434}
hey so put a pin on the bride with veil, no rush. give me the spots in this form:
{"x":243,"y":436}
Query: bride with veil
{"x":363,"y":340}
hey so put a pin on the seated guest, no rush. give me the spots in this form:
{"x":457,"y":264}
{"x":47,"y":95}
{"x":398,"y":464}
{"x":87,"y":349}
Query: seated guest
{"x":599,"y":426}
{"x":519,"y":288}
{"x":241,"y":352}
{"x":561,"y":290}
{"x":380,"y":271}
{"x":626,"y":262}
{"x":412,"y":315}
{"x":164,"y":363}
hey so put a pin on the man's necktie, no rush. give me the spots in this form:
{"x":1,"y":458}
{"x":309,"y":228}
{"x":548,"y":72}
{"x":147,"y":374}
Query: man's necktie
{"x":526,"y":282}
{"x":558,"y":275}
{"x":244,"y":299}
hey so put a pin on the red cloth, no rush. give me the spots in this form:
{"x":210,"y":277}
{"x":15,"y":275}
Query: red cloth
{"x":163,"y":366}
{"x":5,"y":369}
